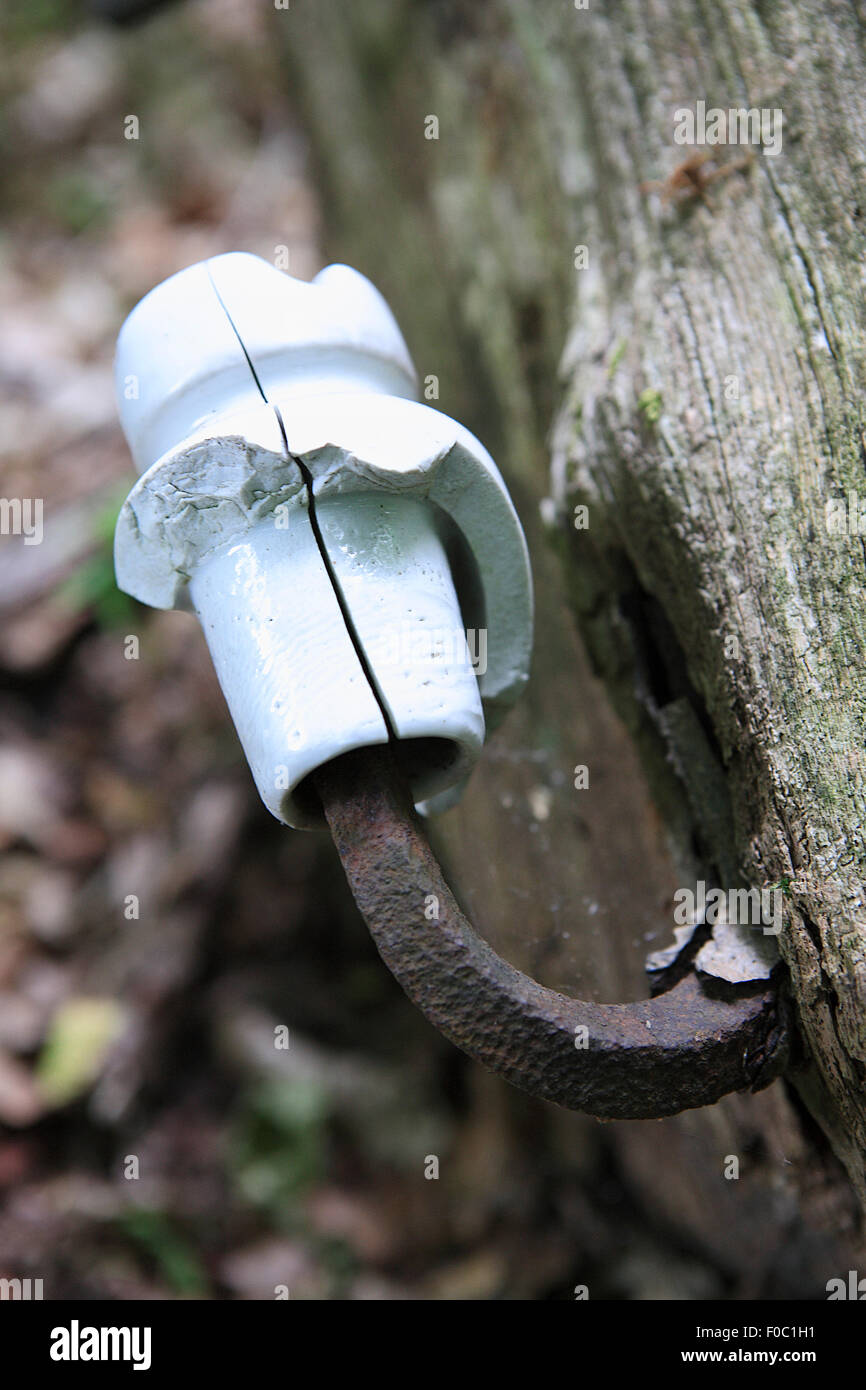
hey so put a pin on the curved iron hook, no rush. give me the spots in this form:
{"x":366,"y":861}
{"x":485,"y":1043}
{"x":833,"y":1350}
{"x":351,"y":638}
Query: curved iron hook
{"x":684,"y":1048}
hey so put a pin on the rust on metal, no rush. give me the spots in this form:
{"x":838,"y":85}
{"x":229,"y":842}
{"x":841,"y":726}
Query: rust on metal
{"x":684,"y":1048}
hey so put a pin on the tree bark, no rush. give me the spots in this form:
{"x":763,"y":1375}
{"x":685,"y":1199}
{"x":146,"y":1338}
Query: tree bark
{"x":698,"y":387}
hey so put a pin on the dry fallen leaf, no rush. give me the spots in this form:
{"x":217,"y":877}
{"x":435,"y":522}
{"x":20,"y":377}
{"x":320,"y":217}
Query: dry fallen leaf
{"x":81,"y":1034}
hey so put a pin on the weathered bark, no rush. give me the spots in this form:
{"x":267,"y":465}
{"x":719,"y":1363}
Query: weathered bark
{"x":701,"y":383}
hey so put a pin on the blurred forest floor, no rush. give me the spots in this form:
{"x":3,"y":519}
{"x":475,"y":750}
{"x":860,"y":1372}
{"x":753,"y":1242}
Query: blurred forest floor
{"x":156,"y":925}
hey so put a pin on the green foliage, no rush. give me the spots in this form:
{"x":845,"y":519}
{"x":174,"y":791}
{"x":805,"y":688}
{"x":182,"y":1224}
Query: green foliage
{"x":279,"y":1145}
{"x":650,"y":402}
{"x":78,"y":1041}
{"x":78,"y":202}
{"x":24,"y":19}
{"x":154,"y":1233}
{"x":93,"y":585}
{"x":616,"y":357}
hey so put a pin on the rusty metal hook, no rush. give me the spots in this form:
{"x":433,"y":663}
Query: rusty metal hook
{"x":684,"y":1048}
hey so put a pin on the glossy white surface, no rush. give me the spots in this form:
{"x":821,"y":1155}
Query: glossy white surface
{"x":291,"y":677}
{"x":248,"y":386}
{"x":331,"y":334}
{"x":179,"y":370}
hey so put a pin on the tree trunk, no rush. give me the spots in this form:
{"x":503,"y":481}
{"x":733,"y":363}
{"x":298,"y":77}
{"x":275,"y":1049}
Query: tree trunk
{"x":697,"y":375}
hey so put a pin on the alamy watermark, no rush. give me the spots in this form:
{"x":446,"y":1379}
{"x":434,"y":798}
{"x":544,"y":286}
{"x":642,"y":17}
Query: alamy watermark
{"x":846,"y":516}
{"x":738,"y":125}
{"x":446,"y":648}
{"x":22,"y":516}
{"x":77,"y":1343}
{"x":853,"y":1288}
{"x":20,"y":1290}
{"x":744,"y":907}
